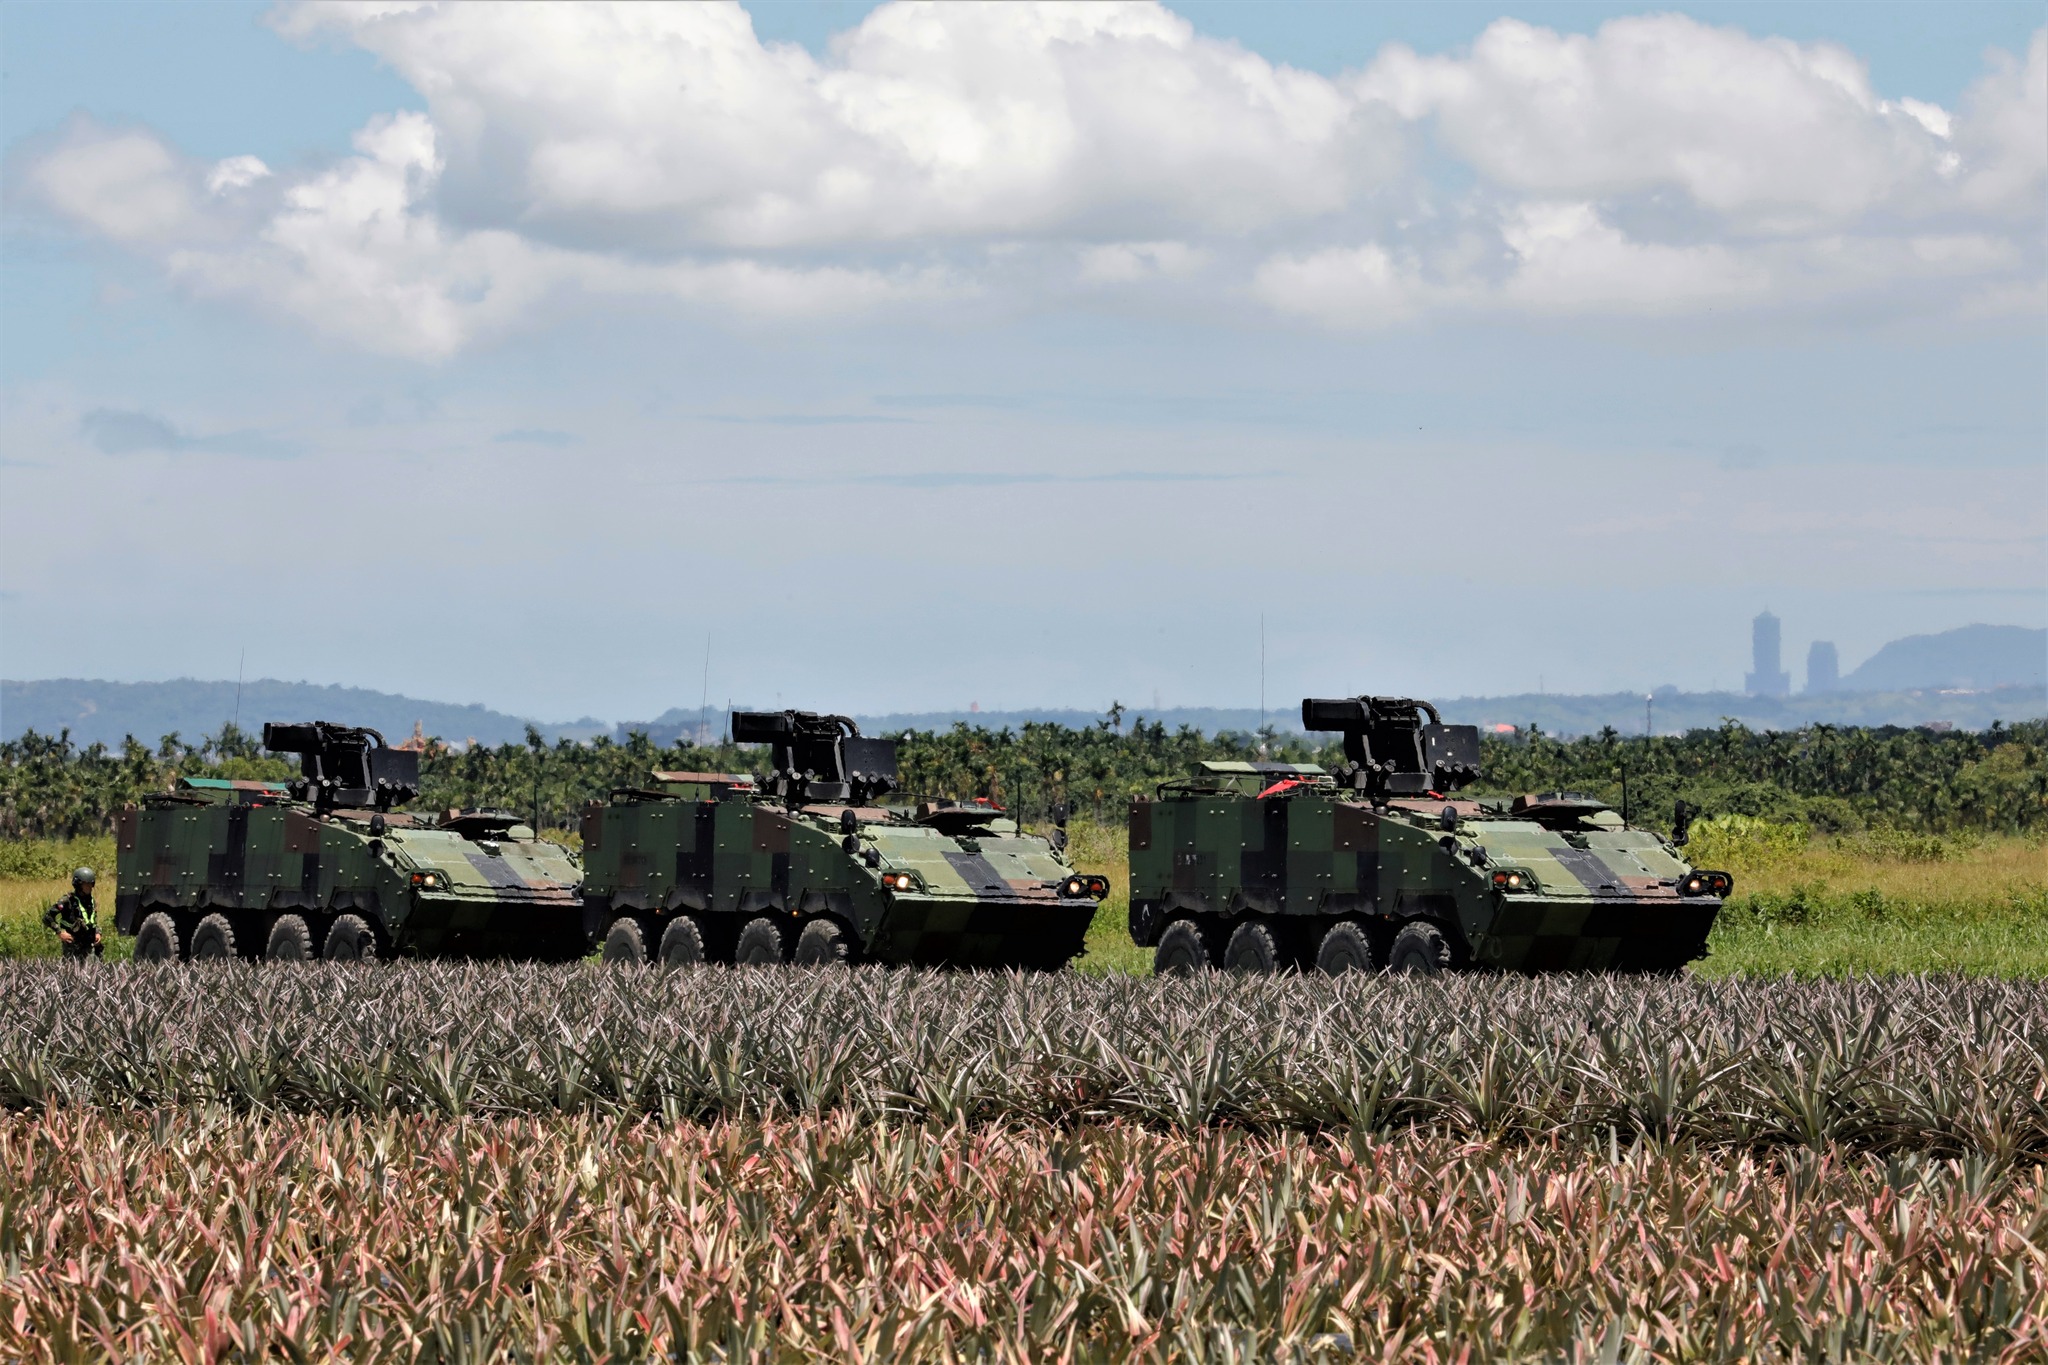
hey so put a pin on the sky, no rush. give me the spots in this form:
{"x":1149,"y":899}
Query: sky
{"x":590,"y":361}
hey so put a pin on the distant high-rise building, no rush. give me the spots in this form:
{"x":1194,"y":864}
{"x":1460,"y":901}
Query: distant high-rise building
{"x":1768,"y":680}
{"x":1823,"y":667}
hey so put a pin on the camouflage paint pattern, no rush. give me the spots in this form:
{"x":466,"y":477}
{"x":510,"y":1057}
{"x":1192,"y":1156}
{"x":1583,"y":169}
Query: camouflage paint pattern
{"x":246,"y":850}
{"x":1294,"y":847}
{"x":712,"y":846}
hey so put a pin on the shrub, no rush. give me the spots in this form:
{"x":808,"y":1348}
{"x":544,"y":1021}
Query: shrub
{"x":1744,"y":842}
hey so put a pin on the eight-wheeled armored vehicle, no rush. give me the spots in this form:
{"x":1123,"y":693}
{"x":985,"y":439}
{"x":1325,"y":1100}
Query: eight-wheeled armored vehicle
{"x":819,"y":862}
{"x":325,"y":866}
{"x":1261,"y":866}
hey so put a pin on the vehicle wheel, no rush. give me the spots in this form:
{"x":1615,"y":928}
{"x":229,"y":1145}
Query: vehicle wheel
{"x":1252,"y":948}
{"x":682,"y":943}
{"x":1346,"y":947}
{"x":1183,"y":950}
{"x":1419,"y":947}
{"x":213,"y":940}
{"x":625,"y":943}
{"x":157,"y":939}
{"x":290,"y":940}
{"x":823,"y":944}
{"x":350,"y":940}
{"x":760,"y":944}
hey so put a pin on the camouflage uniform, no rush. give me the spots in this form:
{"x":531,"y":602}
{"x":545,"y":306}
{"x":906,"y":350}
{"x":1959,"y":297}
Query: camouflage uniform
{"x":74,"y":915}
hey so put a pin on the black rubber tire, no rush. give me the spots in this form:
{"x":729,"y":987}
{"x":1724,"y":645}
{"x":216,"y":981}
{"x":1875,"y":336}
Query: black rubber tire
{"x":1420,"y":947}
{"x":350,"y":939}
{"x":1346,"y":947}
{"x":682,"y":943}
{"x":823,"y":943}
{"x":1183,"y":950}
{"x":761,"y":944}
{"x":213,"y":939}
{"x":157,"y":939}
{"x":1253,"y":947}
{"x":290,"y":940}
{"x":625,"y":943}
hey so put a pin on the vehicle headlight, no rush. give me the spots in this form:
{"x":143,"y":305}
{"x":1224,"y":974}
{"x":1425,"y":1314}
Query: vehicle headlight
{"x":899,"y":881}
{"x":429,"y":881}
{"x":1513,"y":879}
{"x":1705,"y":884}
{"x":1073,"y":886}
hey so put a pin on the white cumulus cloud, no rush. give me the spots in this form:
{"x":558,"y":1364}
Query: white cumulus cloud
{"x":673,"y":125}
{"x":1763,"y":132}
{"x":121,"y":183}
{"x":1657,"y":167}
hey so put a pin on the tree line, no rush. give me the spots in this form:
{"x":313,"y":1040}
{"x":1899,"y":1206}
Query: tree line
{"x":1837,"y":779}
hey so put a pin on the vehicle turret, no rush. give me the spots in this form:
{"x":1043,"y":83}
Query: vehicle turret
{"x":819,"y":758}
{"x":1393,"y":751}
{"x":346,"y":765}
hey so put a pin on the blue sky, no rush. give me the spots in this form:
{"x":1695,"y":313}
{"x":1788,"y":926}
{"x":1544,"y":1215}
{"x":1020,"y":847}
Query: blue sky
{"x":1027,"y":358}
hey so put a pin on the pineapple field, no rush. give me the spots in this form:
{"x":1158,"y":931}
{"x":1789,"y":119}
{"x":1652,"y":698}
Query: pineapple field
{"x":1943,"y":1066}
{"x":210,"y":1235}
{"x":456,"y":1162}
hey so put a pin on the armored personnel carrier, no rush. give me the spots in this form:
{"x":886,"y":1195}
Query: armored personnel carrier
{"x":820,"y":862}
{"x":1264,"y":866}
{"x":325,"y":866}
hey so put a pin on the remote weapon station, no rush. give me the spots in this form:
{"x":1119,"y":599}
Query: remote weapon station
{"x":820,"y":862}
{"x":326,"y":866}
{"x":1262,"y":866}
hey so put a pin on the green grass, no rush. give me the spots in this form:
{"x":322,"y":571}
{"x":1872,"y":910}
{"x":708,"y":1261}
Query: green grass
{"x":1882,"y":903}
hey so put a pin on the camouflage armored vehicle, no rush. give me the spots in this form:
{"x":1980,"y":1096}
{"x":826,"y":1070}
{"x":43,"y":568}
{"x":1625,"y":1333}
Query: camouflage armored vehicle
{"x":324,"y":866}
{"x":1263,"y":866}
{"x":819,"y":863}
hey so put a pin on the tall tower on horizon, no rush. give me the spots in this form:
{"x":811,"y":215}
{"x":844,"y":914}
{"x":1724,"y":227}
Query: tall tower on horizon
{"x":1823,"y":667}
{"x":1767,"y":679}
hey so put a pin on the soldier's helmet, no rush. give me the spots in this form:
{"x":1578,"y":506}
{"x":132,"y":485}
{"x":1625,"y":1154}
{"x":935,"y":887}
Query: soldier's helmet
{"x":83,"y":877}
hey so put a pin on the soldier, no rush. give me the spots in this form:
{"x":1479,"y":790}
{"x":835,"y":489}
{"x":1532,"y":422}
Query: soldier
{"x":73,"y":919}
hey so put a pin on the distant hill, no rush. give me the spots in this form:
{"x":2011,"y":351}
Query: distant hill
{"x":107,"y":712}
{"x":1675,"y":712}
{"x":1974,"y":657}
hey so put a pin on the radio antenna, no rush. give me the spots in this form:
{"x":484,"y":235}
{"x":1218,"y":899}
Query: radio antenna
{"x":704,"y":704}
{"x":1262,"y":684}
